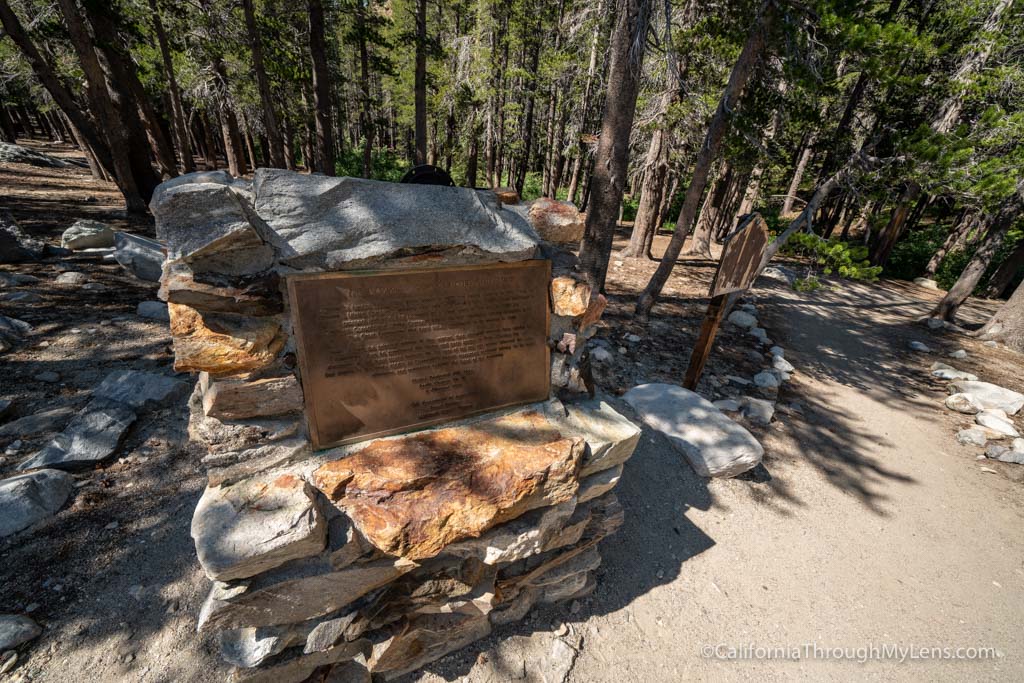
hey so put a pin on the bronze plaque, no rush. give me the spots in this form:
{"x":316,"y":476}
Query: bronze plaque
{"x":741,"y":257}
{"x":391,"y":351}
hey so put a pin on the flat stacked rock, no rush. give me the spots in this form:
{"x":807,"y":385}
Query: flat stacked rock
{"x":381,"y":556}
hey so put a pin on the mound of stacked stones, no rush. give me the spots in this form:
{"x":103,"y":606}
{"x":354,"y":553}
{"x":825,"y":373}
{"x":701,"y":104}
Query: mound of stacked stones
{"x":381,"y":556}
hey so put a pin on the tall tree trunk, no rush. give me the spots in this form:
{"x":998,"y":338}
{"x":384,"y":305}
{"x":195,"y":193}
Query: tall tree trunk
{"x":229,"y":123}
{"x":178,"y":124}
{"x":971,"y":275}
{"x":798,"y":175}
{"x":138,"y":118}
{"x":587,"y":102}
{"x":420,"y":82}
{"x":365,"y":114}
{"x":321,"y":91}
{"x":744,"y":66}
{"x":530,"y":91}
{"x":1007,"y":271}
{"x":263,"y":84}
{"x":1007,"y":325}
{"x":473,"y":152}
{"x":712,"y":212}
{"x":210,"y":153}
{"x":956,"y":236}
{"x":100,"y":102}
{"x":612,"y":158}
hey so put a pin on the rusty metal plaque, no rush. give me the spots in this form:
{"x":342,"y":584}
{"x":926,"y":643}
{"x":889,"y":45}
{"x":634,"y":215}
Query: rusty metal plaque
{"x":741,"y":256}
{"x":385,"y":352}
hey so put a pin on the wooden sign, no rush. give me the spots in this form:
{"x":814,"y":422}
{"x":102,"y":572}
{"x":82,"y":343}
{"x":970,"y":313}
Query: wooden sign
{"x":737,"y":269}
{"x":741,"y":257}
{"x":392,"y":351}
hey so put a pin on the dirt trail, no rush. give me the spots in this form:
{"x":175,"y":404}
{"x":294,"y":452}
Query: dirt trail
{"x":874,"y":527}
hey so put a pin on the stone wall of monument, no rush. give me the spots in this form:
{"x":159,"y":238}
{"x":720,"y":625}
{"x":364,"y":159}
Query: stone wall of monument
{"x":380,"y":556}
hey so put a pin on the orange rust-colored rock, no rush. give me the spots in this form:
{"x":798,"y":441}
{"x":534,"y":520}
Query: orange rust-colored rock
{"x":415,"y":495}
{"x":507,"y":195}
{"x":555,"y":221}
{"x":221,"y":343}
{"x":569,"y":297}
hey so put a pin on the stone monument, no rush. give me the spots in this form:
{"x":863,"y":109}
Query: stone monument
{"x":400,"y":447}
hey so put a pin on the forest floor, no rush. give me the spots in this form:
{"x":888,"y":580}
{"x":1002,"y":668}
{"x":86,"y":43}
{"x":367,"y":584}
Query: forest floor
{"x":868,"y":525}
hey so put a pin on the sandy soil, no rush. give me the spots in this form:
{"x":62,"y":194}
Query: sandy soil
{"x":868,"y":524}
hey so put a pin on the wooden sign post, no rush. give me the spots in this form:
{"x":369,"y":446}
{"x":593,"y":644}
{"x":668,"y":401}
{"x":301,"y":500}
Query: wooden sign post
{"x":737,"y":269}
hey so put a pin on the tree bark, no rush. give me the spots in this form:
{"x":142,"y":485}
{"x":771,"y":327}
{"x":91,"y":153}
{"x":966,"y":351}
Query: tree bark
{"x":365,"y":115}
{"x":178,"y":124}
{"x":276,"y":152}
{"x":100,"y":102}
{"x":744,"y":66}
{"x":712,"y":212}
{"x":136,"y":115}
{"x":1007,"y":271}
{"x":420,"y":82}
{"x":971,"y":275}
{"x":612,"y":158}
{"x":324,"y":160}
{"x":1007,"y":325}
{"x":587,"y":102}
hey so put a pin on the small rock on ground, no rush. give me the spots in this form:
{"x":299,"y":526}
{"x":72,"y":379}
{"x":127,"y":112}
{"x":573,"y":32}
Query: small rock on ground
{"x":15,"y":630}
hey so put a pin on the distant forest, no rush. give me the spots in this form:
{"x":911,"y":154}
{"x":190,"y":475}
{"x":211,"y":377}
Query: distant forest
{"x":894,"y":126}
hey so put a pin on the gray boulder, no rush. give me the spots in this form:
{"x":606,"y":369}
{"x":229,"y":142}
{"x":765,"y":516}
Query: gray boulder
{"x":15,"y":244}
{"x":211,"y":227}
{"x":154,"y":310}
{"x":136,"y":389}
{"x":12,"y":331}
{"x":140,"y":256}
{"x":610,"y":437}
{"x":975,"y":436}
{"x":714,"y":445}
{"x":920,"y":347}
{"x":92,"y":436}
{"x":246,"y":528}
{"x":779,"y":274}
{"x":964,"y":403}
{"x":16,"y":154}
{"x":781,"y":364}
{"x":767,"y":380}
{"x":72,"y":278}
{"x":217,"y":177}
{"x":959,"y":353}
{"x":997,"y":421}
{"x":757,"y":410}
{"x":44,"y":421}
{"x":727,"y":405}
{"x":990,"y":395}
{"x":29,"y":498}
{"x":87,"y":234}
{"x":330,"y":222}
{"x":743,"y":319}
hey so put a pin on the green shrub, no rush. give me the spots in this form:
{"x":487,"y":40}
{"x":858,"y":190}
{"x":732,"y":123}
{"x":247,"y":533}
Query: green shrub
{"x":531,"y":186}
{"x":806,"y":284}
{"x":629,"y":207}
{"x":951,"y":266}
{"x":848,"y":261}
{"x":911,"y":255}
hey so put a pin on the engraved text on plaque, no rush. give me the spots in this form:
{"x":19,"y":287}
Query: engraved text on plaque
{"x":389,"y":351}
